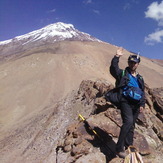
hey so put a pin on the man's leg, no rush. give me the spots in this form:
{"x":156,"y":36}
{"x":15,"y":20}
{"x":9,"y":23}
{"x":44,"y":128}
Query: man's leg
{"x":130,"y":135}
{"x":127,"y":117}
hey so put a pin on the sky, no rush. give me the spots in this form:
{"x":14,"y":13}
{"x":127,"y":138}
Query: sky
{"x":136,"y":25}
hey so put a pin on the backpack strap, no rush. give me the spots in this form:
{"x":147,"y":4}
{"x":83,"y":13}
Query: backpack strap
{"x":123,"y":73}
{"x":140,"y":77}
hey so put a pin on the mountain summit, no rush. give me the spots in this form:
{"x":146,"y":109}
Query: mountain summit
{"x":55,"y":32}
{"x":49,"y":34}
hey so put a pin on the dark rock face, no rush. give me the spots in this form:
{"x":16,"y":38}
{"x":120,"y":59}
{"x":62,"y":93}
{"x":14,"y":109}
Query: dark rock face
{"x":82,"y":144}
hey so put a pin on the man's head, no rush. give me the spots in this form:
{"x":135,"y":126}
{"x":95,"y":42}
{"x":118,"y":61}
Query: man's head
{"x":134,"y":58}
{"x":133,"y":62}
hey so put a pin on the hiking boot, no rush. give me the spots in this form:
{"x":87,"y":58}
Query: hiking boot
{"x":122,"y":154}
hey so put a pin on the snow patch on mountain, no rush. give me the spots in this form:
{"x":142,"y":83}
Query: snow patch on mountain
{"x":56,"y":32}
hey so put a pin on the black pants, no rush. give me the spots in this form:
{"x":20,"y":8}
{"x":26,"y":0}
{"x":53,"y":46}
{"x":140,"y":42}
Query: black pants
{"x":129,"y":114}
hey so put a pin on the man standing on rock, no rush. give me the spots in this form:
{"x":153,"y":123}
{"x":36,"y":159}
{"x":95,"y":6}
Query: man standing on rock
{"x":130,"y":86}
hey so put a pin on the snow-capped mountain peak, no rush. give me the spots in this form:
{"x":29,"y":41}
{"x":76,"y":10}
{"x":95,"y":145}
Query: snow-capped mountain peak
{"x":52,"y":33}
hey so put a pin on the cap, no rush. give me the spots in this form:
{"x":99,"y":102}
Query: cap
{"x":134,"y":58}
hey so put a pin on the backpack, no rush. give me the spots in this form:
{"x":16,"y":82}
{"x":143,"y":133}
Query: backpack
{"x":114,"y":95}
{"x":133,"y":156}
{"x":132,"y":91}
{"x":133,"y":94}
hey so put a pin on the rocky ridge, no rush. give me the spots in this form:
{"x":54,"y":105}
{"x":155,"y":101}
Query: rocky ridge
{"x":58,"y":135}
{"x":80,"y":144}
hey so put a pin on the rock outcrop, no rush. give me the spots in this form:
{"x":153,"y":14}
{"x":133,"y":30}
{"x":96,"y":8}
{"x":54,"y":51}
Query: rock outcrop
{"x":80,"y":144}
{"x":56,"y":134}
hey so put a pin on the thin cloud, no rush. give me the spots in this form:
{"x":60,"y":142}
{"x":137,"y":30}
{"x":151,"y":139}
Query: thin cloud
{"x":127,"y":6}
{"x":88,"y":2}
{"x":155,"y":12}
{"x":96,"y":12}
{"x":135,"y":1}
{"x":156,"y":37}
{"x":52,"y":11}
{"x":44,"y":21}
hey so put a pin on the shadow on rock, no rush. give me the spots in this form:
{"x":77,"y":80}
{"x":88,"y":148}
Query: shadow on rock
{"x":102,"y":140}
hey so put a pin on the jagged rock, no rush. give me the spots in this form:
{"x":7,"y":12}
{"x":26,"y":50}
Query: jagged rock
{"x":114,"y":115}
{"x":117,"y":160}
{"x":101,"y":105}
{"x":106,"y":122}
{"x":142,"y":119}
{"x":96,"y":157}
{"x":68,"y":141}
{"x":67,"y":148}
{"x":152,"y":139}
{"x":78,"y":141}
{"x":86,"y":91}
{"x":157,"y":99}
{"x":89,"y":90}
{"x":141,"y":143}
{"x":74,"y":142}
{"x":81,"y":149}
{"x":63,"y":157}
{"x":102,"y":87}
{"x":101,"y":101}
{"x":149,"y":99}
{"x":157,"y":126}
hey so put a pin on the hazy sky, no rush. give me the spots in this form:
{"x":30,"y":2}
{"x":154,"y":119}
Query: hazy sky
{"x":136,"y":25}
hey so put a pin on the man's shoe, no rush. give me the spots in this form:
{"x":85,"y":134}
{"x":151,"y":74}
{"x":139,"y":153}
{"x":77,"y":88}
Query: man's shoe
{"x":122,"y":154}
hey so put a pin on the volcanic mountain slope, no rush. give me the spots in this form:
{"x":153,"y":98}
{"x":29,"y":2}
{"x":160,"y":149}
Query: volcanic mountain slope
{"x":40,"y":97}
{"x":49,"y":34}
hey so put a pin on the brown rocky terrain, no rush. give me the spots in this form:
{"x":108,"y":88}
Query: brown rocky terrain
{"x":160,"y":62}
{"x":43,"y":90}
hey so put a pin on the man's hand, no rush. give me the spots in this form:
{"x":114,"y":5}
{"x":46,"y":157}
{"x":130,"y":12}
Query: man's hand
{"x":119,"y":52}
{"x":141,"y":109}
